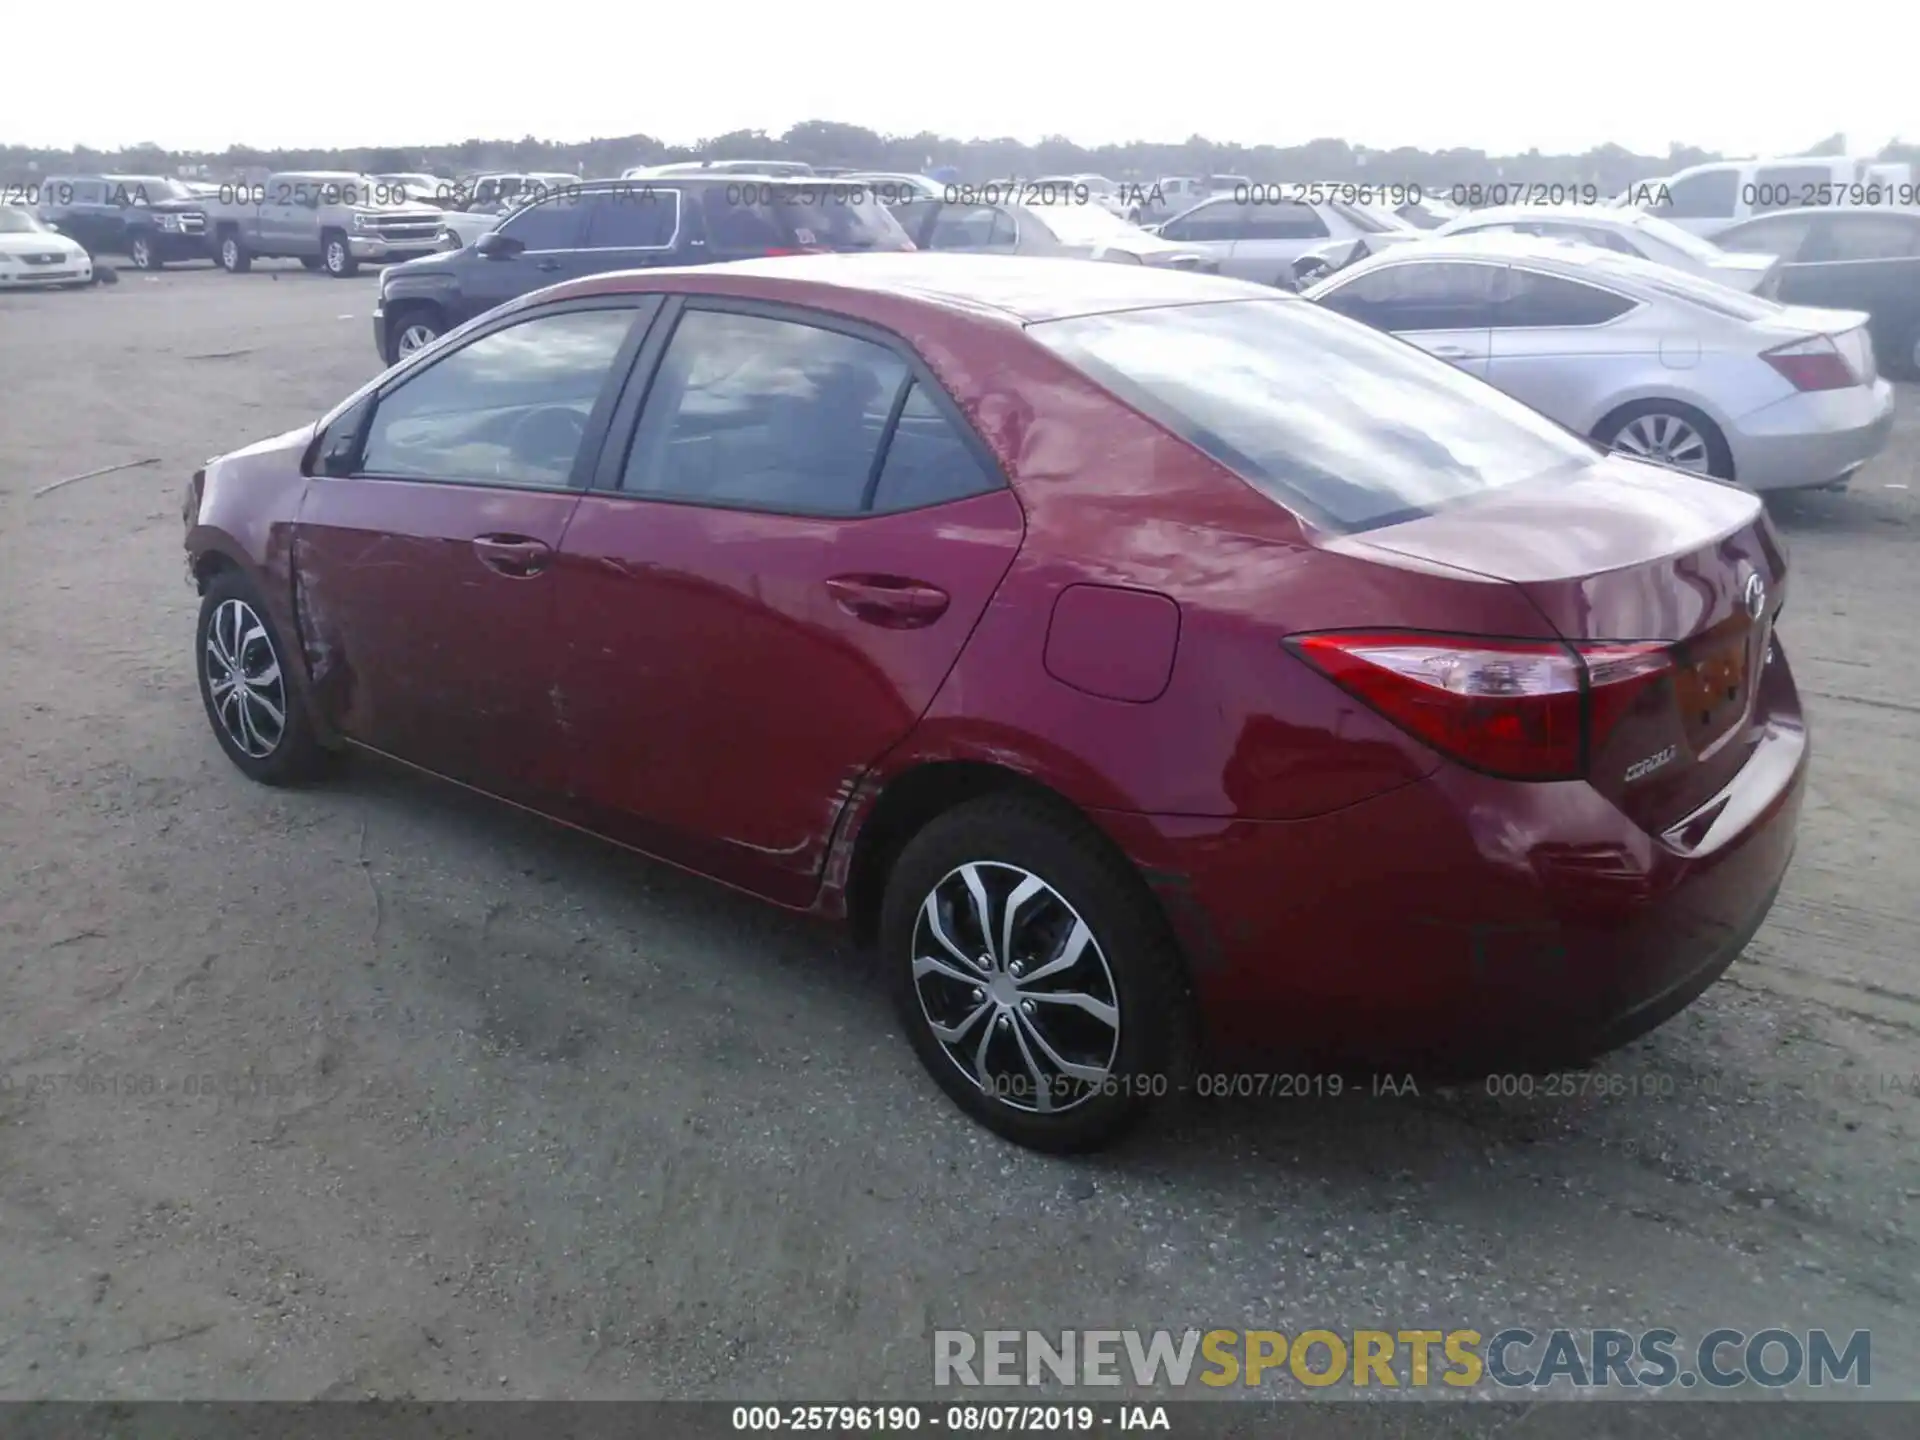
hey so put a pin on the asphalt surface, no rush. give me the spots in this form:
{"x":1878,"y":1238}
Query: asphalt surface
{"x":501,"y":1111}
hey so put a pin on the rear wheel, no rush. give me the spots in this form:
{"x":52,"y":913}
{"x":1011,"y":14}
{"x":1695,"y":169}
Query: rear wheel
{"x":250,"y":702}
{"x":1668,"y":433}
{"x":232,"y":254}
{"x":1034,"y":974}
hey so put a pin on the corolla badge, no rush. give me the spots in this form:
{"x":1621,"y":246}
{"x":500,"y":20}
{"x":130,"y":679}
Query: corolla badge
{"x":1756,"y":596}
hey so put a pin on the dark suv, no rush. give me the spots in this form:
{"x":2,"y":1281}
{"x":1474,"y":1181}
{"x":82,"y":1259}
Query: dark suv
{"x":603,"y":225}
{"x":150,"y":218}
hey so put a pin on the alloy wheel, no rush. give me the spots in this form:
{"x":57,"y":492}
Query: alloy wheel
{"x":336,"y":257}
{"x":1665,"y":440}
{"x":142,"y":254}
{"x":416,"y":336}
{"x":230,"y":254}
{"x":1016,"y":988}
{"x":244,"y":681}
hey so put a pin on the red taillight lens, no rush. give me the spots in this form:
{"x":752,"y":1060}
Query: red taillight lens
{"x":1519,"y":709}
{"x":1814,"y":364}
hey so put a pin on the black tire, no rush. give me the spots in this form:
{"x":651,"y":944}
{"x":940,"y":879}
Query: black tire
{"x":1132,"y":963}
{"x":336,"y":255}
{"x":310,"y":262}
{"x":294,"y":754}
{"x":231,"y":253}
{"x":144,"y":251}
{"x":1719,"y":456}
{"x":415,"y":318}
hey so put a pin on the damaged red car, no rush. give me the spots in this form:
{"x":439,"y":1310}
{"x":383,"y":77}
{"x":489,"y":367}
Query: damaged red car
{"x":1150,"y":665}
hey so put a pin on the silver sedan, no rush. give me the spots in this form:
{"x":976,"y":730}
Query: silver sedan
{"x":1631,"y":232}
{"x":1069,"y":229}
{"x":1647,"y":359}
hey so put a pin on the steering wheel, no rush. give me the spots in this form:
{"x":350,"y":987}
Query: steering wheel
{"x":546,"y":439}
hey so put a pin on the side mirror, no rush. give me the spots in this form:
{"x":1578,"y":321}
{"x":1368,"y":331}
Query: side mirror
{"x":495,"y":246}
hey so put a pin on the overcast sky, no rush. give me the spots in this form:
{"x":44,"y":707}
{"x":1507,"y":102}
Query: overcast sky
{"x":1498,"y":76}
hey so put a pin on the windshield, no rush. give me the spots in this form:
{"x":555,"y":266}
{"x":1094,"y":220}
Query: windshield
{"x":1083,"y":224}
{"x":146,"y":189}
{"x":1685,"y":241}
{"x":1348,"y":427}
{"x":18,"y":222}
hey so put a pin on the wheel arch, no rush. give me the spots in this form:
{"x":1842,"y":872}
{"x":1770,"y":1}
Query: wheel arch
{"x":1617,"y":413}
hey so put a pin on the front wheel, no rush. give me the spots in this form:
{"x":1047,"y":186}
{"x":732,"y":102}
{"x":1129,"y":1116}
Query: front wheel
{"x":250,"y":702}
{"x":336,"y":256}
{"x":1035,"y":975}
{"x":412,"y":330}
{"x":145,"y":253}
{"x":233,"y":255}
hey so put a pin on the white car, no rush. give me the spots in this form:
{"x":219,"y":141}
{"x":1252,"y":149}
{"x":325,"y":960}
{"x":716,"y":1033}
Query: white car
{"x":32,"y":257}
{"x":1628,"y":232}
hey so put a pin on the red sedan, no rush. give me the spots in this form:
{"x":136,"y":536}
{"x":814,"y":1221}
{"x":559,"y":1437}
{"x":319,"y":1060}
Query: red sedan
{"x":1149,"y":663}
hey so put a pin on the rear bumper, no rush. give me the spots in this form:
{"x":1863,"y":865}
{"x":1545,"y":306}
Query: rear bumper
{"x":1462,"y":921}
{"x":1813,"y":438}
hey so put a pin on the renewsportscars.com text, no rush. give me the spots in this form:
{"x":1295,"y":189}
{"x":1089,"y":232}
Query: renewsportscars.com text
{"x":1512,"y":1358}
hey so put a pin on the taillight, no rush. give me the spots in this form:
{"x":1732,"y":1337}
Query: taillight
{"x":1518,"y":709}
{"x":1812,"y":364}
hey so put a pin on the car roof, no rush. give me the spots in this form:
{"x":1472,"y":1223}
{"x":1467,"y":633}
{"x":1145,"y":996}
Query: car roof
{"x":1025,"y":289}
{"x":1571,"y":258}
{"x":1586,"y":214}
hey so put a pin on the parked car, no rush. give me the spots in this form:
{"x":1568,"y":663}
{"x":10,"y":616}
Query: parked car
{"x":1641,"y":357}
{"x":151,"y":219}
{"x":34,"y":256}
{"x":1257,"y":234}
{"x":891,"y":187}
{"x":1109,"y":195}
{"x":804,"y":574}
{"x":1856,"y":258}
{"x":327,"y":219}
{"x":1707,"y":199}
{"x":1168,"y":196}
{"x":620,"y":225}
{"x":1087,"y":231}
{"x":428,"y":189}
{"x":1427,"y":212}
{"x":1630,"y":232}
{"x":481,"y":204}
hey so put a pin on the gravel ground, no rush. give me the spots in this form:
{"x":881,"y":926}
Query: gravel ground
{"x":515,"y":1114}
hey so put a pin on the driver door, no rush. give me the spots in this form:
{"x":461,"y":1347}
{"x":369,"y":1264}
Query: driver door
{"x":424,"y":548}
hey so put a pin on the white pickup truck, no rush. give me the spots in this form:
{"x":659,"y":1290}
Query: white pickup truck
{"x":327,"y":220}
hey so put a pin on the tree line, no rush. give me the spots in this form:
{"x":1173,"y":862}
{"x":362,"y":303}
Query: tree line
{"x":821,"y":142}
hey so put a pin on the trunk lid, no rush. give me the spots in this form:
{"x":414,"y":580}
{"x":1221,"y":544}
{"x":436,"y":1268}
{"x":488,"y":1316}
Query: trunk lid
{"x":1626,"y":552}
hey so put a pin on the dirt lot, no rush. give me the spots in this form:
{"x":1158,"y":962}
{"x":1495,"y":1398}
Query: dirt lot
{"x":510,"y":1113}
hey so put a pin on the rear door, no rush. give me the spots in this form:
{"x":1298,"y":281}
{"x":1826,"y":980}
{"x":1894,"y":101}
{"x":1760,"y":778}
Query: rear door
{"x":1557,"y":343}
{"x":1867,"y":260}
{"x":1274,"y":232}
{"x":1444,"y":307}
{"x":766,"y":586}
{"x":423,"y":554}
{"x":628,"y":227}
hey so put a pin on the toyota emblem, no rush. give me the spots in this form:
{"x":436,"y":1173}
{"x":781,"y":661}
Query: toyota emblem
{"x":1756,"y":596}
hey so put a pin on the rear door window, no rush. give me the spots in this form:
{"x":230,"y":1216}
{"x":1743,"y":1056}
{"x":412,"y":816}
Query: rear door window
{"x":1348,"y":428}
{"x":1215,"y":220}
{"x":1780,"y":235}
{"x":928,"y":461}
{"x":1535,"y":300}
{"x":759,"y":413}
{"x":1287,"y":220}
{"x":1866,"y":236}
{"x":554,"y":224}
{"x":973,"y":227}
{"x":632,"y":217}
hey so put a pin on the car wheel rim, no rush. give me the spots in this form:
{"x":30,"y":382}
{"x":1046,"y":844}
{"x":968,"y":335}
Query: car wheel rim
{"x":229,"y":254}
{"x":244,"y":681}
{"x":416,"y":337}
{"x":140,"y":254}
{"x":336,"y":257}
{"x":1665,"y":440}
{"x":1016,"y":988}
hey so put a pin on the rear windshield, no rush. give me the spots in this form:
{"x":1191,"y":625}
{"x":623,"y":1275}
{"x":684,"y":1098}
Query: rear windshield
{"x":749,"y":215}
{"x":1709,"y":295}
{"x":1685,"y":241}
{"x":1349,"y":428}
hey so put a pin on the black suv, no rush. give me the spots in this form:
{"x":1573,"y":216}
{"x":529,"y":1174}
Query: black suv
{"x":149,"y":218}
{"x":603,"y":225}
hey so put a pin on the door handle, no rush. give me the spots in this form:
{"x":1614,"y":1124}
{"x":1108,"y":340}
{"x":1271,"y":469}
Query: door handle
{"x":547,"y":265}
{"x":1451,"y":352}
{"x":515,"y":555}
{"x":889,"y":601}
